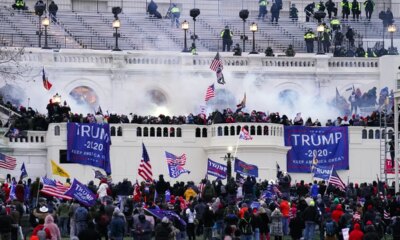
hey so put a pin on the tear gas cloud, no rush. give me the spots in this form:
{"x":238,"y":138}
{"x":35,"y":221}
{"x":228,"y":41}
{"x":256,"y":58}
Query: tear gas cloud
{"x":186,"y":94}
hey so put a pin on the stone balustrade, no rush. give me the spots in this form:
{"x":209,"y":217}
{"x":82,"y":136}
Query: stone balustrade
{"x":101,"y":59}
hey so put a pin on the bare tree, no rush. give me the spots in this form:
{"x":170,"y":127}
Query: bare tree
{"x":11,"y":67}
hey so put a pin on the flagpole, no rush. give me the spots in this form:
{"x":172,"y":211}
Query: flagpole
{"x":237,"y":145}
{"x":329,"y":179}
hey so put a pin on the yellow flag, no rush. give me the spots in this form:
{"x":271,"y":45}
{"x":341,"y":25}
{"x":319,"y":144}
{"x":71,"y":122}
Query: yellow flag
{"x":57,"y":170}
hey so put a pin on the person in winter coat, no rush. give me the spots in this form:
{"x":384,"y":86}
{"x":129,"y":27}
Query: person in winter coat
{"x":143,"y":228}
{"x":90,"y":233}
{"x":53,"y":228}
{"x":337,"y":213}
{"x":164,"y":230}
{"x":370,"y":232}
{"x":276,"y":224}
{"x":311,"y":218}
{"x":296,"y":226}
{"x":53,"y":9}
{"x":81,"y":217}
{"x":116,"y":229}
{"x":6,"y":223}
{"x":275,"y":12}
{"x":356,"y":234}
{"x":40,"y":227}
{"x":264,"y":223}
{"x":102,"y":191}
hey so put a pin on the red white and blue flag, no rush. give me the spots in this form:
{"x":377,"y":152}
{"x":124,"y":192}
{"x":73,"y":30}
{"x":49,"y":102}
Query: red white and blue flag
{"x":145,"y":170}
{"x":210,"y":93}
{"x":7,"y":162}
{"x":244,"y":134}
{"x":54,"y":188}
{"x":176,"y":164}
{"x":336,"y":181}
{"x":46,"y":84}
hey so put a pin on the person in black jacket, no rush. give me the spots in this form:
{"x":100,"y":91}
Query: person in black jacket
{"x":89,"y":233}
{"x":161,"y":187}
{"x":309,"y":9}
{"x":208,"y":221}
{"x":330,"y":7}
{"x":311,"y":218}
{"x":6,"y":223}
{"x":53,"y":8}
{"x":350,"y":36}
{"x":152,"y":9}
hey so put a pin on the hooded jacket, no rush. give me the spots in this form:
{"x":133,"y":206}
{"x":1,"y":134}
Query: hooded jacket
{"x":356,"y":234}
{"x":52,"y":227}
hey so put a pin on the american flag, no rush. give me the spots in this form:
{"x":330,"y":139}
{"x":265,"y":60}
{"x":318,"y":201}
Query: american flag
{"x":145,"y":167}
{"x":336,"y":181}
{"x":54,"y":188}
{"x":46,"y":84}
{"x":210,"y":93}
{"x":174,"y":160}
{"x":7,"y":162}
{"x":386,"y":214}
{"x":244,"y":134}
{"x":216,"y":63}
{"x":357,"y":216}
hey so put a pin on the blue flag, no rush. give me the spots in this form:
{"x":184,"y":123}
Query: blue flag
{"x":245,"y":169}
{"x":81,"y":193}
{"x":323,"y":172}
{"x":12,"y":192}
{"x":24,"y":173}
{"x":216,"y":169}
{"x":327,"y":145}
{"x":171,"y":215}
{"x":176,"y":164}
{"x":89,"y":144}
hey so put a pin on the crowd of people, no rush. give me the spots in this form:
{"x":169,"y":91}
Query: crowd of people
{"x":30,"y":119}
{"x":241,"y":208}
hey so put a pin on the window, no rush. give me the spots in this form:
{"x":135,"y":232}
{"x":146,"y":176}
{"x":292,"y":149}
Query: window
{"x":364,"y":134}
{"x":179,"y":132}
{"x":266,"y":132}
{"x":145,"y":132}
{"x":226,"y":131}
{"x":63,"y":157}
{"x":119,"y":132}
{"x":139,"y":132}
{"x":112,"y":130}
{"x":159,"y":132}
{"x":204,"y":132}
{"x":371,"y":134}
{"x":232,"y":131}
{"x":219,"y":129}
{"x":57,"y":130}
{"x":198,"y":132}
{"x":172,"y":132}
{"x":165,"y":132}
{"x":252,"y":130}
{"x":152,"y":132}
{"x":259,"y":130}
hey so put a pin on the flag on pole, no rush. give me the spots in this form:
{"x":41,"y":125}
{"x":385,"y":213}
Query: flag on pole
{"x":46,"y":84}
{"x":57,"y":170}
{"x":145,"y":170}
{"x":176,"y":164}
{"x":244,"y":134}
{"x":242,"y":104}
{"x":210,"y":93}
{"x":216,"y":63}
{"x":335,"y":180}
{"x":12,"y":195}
{"x":54,"y":188}
{"x":7,"y":162}
{"x":98,"y":174}
{"x":24,"y":173}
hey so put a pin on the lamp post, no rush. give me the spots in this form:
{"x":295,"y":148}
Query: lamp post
{"x":39,"y":32}
{"x":391,"y":29}
{"x":45,"y":23}
{"x":56,"y":98}
{"x":194,"y":13}
{"x":254,"y":29}
{"x":228,"y":158}
{"x":116,"y":25}
{"x":320,"y":30}
{"x":185,"y":27}
{"x":396,"y":138}
{"x":244,"y":14}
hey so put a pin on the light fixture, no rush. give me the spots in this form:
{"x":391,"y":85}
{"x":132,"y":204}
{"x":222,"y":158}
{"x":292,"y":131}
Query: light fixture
{"x":254,"y":29}
{"x":320,"y":30}
{"x":116,"y":24}
{"x":57,"y":98}
{"x":185,"y":27}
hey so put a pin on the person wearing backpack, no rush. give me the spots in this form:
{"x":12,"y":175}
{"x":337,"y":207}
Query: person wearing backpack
{"x":245,"y":227}
{"x":330,"y":228}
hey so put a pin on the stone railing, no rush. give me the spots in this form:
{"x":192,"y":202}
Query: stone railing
{"x":145,"y":59}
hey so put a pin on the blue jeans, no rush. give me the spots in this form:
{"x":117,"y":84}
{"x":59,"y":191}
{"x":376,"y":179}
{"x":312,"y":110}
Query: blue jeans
{"x":246,"y":237}
{"x":309,"y":230}
{"x":257,"y":234}
{"x":285,"y":225}
{"x":175,"y":19}
{"x":63,"y":225}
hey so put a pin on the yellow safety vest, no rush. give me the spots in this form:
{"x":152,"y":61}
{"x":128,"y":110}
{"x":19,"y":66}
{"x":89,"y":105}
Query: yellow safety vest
{"x":175,"y":10}
{"x":262,"y":3}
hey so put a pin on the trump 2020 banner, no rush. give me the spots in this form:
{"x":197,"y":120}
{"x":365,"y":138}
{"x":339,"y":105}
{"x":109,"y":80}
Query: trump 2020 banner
{"x":216,"y":169}
{"x":81,"y":193}
{"x":329,"y":145}
{"x":89,"y":144}
{"x":245,"y":168}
